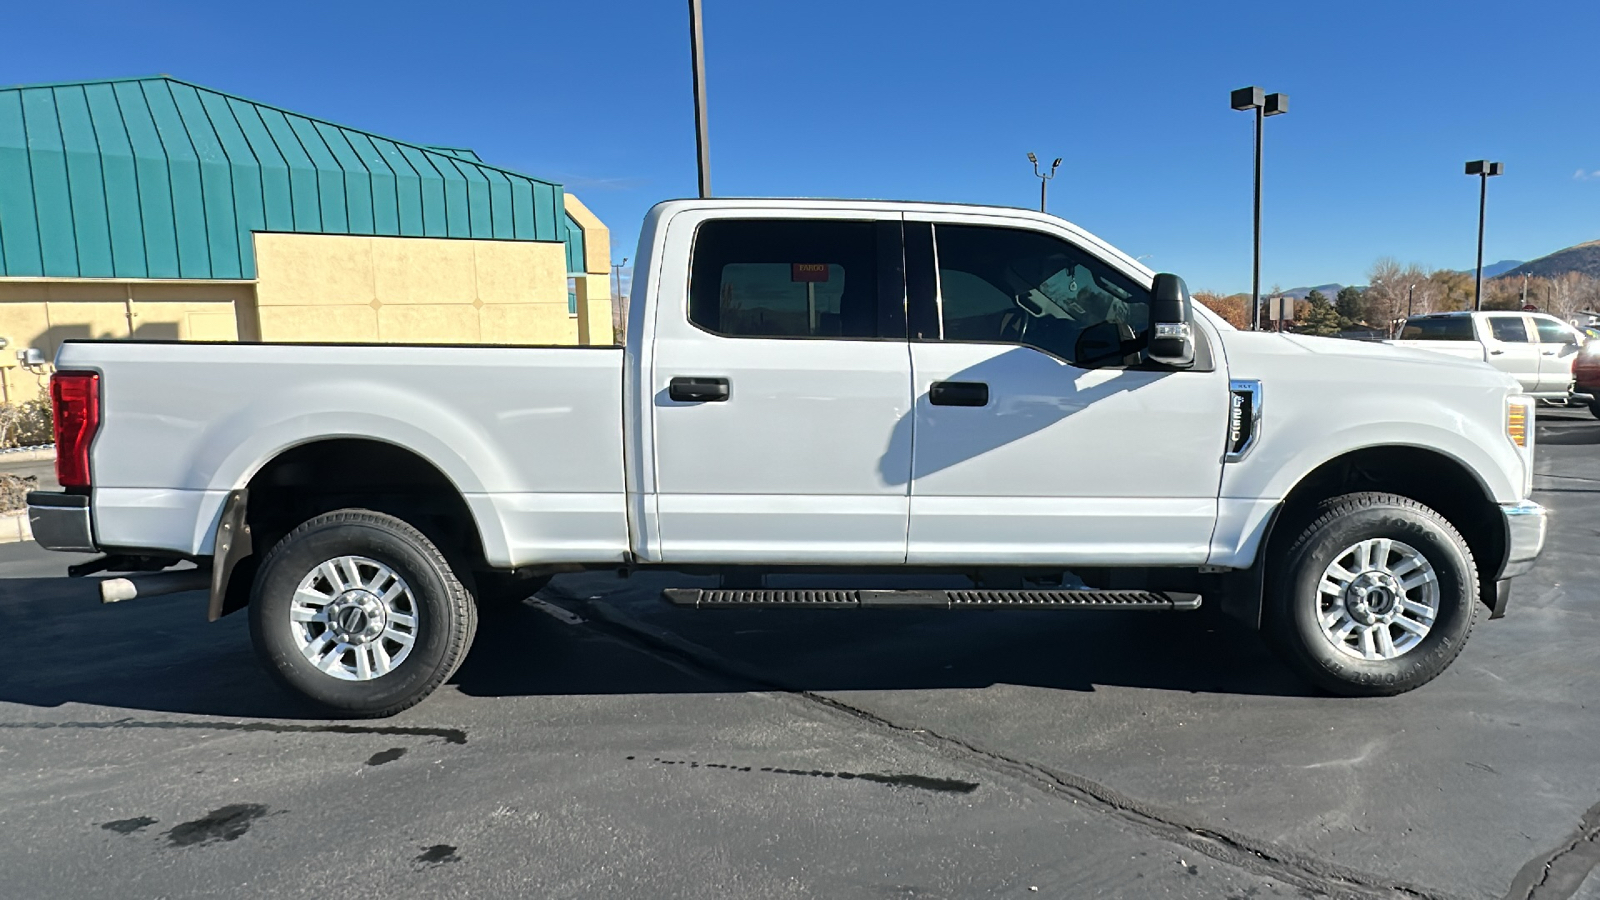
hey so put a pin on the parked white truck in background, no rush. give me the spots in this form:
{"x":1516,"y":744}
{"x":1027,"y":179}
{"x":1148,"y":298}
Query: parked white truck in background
{"x":814,"y":386}
{"x":1536,"y":349}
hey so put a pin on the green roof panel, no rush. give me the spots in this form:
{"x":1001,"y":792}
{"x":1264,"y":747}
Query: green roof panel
{"x":159,"y":178}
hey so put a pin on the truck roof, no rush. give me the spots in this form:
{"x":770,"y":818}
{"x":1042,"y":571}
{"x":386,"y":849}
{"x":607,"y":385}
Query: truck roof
{"x":667,"y":208}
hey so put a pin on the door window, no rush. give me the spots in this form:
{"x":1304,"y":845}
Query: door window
{"x":1007,"y":285}
{"x":767,"y":278}
{"x":1553,"y":332}
{"x":1509,"y":329}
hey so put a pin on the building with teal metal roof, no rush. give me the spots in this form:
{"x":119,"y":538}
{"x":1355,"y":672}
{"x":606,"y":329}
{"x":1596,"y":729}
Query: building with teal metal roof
{"x":157,"y":179}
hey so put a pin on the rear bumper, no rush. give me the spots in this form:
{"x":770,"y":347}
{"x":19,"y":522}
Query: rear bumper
{"x":1526,"y":523}
{"x":61,"y":521}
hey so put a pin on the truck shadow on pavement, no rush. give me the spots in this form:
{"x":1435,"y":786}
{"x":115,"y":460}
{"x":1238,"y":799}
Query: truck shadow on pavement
{"x":59,"y":645}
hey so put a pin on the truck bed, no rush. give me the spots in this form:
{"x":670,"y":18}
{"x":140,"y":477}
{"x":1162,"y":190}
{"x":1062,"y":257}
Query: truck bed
{"x":531,"y":436}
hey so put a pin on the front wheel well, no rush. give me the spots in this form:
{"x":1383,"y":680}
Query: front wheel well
{"x":1431,"y":478}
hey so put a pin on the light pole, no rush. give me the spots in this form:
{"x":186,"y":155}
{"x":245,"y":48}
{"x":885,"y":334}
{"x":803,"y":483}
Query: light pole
{"x":1044,"y":178}
{"x":1524,"y":290}
{"x":702,"y":143}
{"x":1485,"y":170}
{"x":1409,"y":289}
{"x":1264,"y":105}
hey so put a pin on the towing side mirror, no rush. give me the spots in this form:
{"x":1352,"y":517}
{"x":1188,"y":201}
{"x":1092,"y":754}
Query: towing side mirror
{"x":1171,"y":323}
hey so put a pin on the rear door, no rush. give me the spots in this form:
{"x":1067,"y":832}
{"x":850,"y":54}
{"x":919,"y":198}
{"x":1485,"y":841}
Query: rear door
{"x":1558,"y":350}
{"x":781,"y":389}
{"x":1508,"y":339}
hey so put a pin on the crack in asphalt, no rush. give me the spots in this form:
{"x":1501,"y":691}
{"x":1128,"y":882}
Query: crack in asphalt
{"x":1558,"y":874}
{"x":1233,"y":848}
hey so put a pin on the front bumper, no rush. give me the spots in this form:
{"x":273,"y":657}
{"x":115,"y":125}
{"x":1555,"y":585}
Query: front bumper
{"x":61,"y":521}
{"x":1526,"y":523}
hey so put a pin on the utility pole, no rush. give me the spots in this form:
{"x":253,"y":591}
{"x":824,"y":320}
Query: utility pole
{"x":1524,"y":289}
{"x":697,"y":49}
{"x":616,"y":272}
{"x":1044,"y":178}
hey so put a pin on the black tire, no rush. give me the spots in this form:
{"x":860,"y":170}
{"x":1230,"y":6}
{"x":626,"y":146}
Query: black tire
{"x":447,"y":616}
{"x":1594,"y":408}
{"x":1293,"y":604}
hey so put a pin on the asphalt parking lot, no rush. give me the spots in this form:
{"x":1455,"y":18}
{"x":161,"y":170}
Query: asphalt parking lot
{"x":600,"y":743}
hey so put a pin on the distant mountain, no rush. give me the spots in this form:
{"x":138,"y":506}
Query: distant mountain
{"x":1495,"y":270}
{"x":1300,"y":293}
{"x":1582,"y":258}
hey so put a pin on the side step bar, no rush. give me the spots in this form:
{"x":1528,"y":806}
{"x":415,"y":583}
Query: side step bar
{"x":973,"y":599}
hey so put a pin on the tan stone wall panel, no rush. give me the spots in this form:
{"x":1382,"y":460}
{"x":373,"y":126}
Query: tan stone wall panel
{"x":423,"y":270}
{"x":520,"y":272}
{"x":306,"y":269}
{"x":317,"y":324}
{"x":528,"y":323}
{"x":415,"y":323}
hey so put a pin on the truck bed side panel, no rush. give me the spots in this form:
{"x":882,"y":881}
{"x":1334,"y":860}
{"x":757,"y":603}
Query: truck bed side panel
{"x":532,"y":437}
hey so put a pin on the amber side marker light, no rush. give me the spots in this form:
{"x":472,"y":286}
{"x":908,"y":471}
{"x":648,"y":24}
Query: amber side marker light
{"x":1517,"y":424}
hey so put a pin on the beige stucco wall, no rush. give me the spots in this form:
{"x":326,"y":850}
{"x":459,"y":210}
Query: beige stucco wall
{"x":411,"y":290}
{"x":329,"y":288}
{"x":42,"y":313}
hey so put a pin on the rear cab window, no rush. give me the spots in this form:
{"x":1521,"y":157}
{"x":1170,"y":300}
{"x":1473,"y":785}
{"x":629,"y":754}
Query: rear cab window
{"x":1438,"y":328}
{"x":793,"y":278}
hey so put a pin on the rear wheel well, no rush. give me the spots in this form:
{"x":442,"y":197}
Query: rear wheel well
{"x":1426,"y":476}
{"x":306,"y":481}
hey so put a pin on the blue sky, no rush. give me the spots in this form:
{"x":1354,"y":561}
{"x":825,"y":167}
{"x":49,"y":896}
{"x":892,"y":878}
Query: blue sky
{"x":929,"y":101}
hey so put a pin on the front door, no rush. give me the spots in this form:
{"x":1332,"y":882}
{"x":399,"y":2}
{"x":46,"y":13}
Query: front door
{"x":1034,"y":445}
{"x":1558,"y":350}
{"x":782,"y":395}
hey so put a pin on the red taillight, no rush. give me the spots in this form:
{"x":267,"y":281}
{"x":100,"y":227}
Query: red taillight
{"x":75,"y":402}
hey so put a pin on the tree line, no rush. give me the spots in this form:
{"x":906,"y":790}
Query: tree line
{"x":1394,"y":292}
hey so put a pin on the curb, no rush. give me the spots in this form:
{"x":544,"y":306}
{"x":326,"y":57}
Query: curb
{"x":14,"y":527}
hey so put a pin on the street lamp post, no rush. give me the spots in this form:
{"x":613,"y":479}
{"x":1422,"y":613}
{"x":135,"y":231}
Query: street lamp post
{"x":1485,"y":170}
{"x":702,"y":143}
{"x":1409,"y":289}
{"x":1044,"y":177}
{"x":1264,"y":105}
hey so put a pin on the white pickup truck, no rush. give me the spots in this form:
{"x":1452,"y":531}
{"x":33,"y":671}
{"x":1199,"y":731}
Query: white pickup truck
{"x":1536,"y":349}
{"x":813,"y":386}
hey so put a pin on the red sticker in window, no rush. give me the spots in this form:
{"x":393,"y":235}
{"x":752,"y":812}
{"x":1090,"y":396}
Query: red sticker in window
{"x":808,"y":271}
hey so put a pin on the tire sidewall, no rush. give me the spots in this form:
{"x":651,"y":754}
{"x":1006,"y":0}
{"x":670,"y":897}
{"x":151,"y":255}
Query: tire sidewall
{"x":1337,"y":670}
{"x":418,"y":564}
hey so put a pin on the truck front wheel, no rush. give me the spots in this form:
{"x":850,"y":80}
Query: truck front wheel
{"x":1375,"y":596}
{"x":360,"y":613}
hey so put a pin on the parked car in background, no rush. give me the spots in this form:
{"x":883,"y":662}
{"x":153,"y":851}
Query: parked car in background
{"x":1586,"y":376}
{"x":1536,"y":349}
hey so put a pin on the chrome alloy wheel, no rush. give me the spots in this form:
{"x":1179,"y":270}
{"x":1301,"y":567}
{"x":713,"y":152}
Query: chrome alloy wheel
{"x":1378,"y":599}
{"x":354,"y":618}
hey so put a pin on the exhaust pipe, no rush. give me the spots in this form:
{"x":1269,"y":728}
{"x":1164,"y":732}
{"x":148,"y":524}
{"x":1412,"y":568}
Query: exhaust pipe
{"x":116,"y":590}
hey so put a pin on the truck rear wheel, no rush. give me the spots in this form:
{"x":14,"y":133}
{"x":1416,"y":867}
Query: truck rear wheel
{"x":360,"y":613}
{"x":1376,"y":596}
